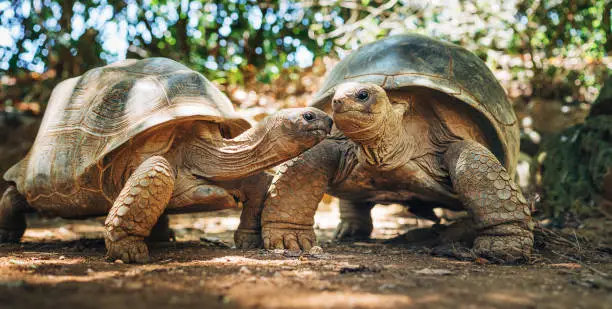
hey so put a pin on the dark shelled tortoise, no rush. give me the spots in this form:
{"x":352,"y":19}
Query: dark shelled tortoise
{"x":418,"y":122}
{"x":137,"y":139}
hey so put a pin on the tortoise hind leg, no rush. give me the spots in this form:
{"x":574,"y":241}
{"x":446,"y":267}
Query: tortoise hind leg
{"x":355,"y":221}
{"x":13,"y":207}
{"x":161,"y":231}
{"x":500,"y":212}
{"x":137,"y":209}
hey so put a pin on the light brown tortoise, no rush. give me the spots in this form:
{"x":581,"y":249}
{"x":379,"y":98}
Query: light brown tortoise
{"x":139,"y":139}
{"x":418,"y":122}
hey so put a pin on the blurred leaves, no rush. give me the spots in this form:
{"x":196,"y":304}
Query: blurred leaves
{"x":555,"y":49}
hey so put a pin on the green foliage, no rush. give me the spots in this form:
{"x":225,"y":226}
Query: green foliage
{"x":219,"y":38}
{"x":576,"y":163}
{"x":560,"y":37}
{"x":538,"y":42}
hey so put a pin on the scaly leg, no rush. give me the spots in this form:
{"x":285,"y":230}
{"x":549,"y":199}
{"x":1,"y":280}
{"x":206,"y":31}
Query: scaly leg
{"x":292,"y":200}
{"x":13,"y":207}
{"x":355,"y":220}
{"x":500,"y":211}
{"x":254,"y":188}
{"x":137,"y":209}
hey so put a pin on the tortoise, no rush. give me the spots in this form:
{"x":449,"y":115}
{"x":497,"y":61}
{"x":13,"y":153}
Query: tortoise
{"x":417,"y":122}
{"x":142,"y":138}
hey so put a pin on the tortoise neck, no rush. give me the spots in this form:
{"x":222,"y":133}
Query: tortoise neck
{"x":386,"y":148}
{"x":226,"y":159}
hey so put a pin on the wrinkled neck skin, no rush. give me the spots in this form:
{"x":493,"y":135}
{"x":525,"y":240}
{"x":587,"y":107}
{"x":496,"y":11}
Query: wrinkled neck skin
{"x":220,"y":159}
{"x":383,"y":143}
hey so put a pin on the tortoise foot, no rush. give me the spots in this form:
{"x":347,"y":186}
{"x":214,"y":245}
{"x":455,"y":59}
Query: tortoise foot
{"x":131,"y":249}
{"x":349,"y":230}
{"x":11,"y":235}
{"x":248,"y":239}
{"x":510,"y":249}
{"x":302,"y":238}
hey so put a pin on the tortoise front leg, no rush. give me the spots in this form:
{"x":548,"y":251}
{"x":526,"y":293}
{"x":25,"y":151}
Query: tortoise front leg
{"x":292,"y":200}
{"x":141,"y":202}
{"x":13,"y":207}
{"x":501,"y":214}
{"x":355,"y":220}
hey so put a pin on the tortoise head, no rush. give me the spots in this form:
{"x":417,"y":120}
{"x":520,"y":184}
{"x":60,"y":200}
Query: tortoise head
{"x":360,"y":110}
{"x":297,"y":129}
{"x":280,"y":137}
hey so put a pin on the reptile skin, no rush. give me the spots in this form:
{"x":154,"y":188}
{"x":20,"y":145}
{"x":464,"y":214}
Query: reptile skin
{"x":136,"y":210}
{"x":416,"y":148}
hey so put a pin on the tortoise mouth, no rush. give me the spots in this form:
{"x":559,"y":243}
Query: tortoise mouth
{"x":355,"y":111}
{"x":319,"y":132}
{"x":361,"y":111}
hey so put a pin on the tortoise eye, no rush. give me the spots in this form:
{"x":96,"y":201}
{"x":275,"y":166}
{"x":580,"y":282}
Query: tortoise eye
{"x":308,"y":116}
{"x":362,"y":95}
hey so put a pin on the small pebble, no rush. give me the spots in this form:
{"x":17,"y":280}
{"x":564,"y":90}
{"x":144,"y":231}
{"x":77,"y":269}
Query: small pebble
{"x":62,"y":257}
{"x":244,"y":270}
{"x":316,"y":250}
{"x":118,"y":261}
{"x":278,"y":251}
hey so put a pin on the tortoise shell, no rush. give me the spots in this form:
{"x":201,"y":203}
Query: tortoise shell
{"x":416,"y":60}
{"x":92,"y":115}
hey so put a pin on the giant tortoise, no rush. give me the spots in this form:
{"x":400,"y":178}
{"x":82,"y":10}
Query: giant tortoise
{"x":138,"y":139}
{"x":418,"y":122}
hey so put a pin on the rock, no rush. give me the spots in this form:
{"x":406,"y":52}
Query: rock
{"x":434,"y":271}
{"x":316,"y":250}
{"x":118,"y":261}
{"x":245,"y":271}
{"x":387,"y":286}
{"x":214,"y":242}
{"x":374,"y":268}
{"x":293,"y":253}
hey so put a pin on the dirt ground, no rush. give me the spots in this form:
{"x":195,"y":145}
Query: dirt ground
{"x":61,"y":264}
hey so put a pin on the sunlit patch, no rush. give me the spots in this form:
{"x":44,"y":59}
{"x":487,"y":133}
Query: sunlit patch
{"x":51,"y":270}
{"x":510,"y":299}
{"x":311,"y":299}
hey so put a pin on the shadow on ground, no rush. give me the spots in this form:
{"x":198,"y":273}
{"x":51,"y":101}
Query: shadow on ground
{"x":61,"y":264}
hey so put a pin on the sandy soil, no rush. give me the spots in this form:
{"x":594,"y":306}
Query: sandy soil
{"x":61,"y":264}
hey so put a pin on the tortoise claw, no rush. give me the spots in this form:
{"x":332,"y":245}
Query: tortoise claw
{"x":287,"y":238}
{"x":131,"y":249}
